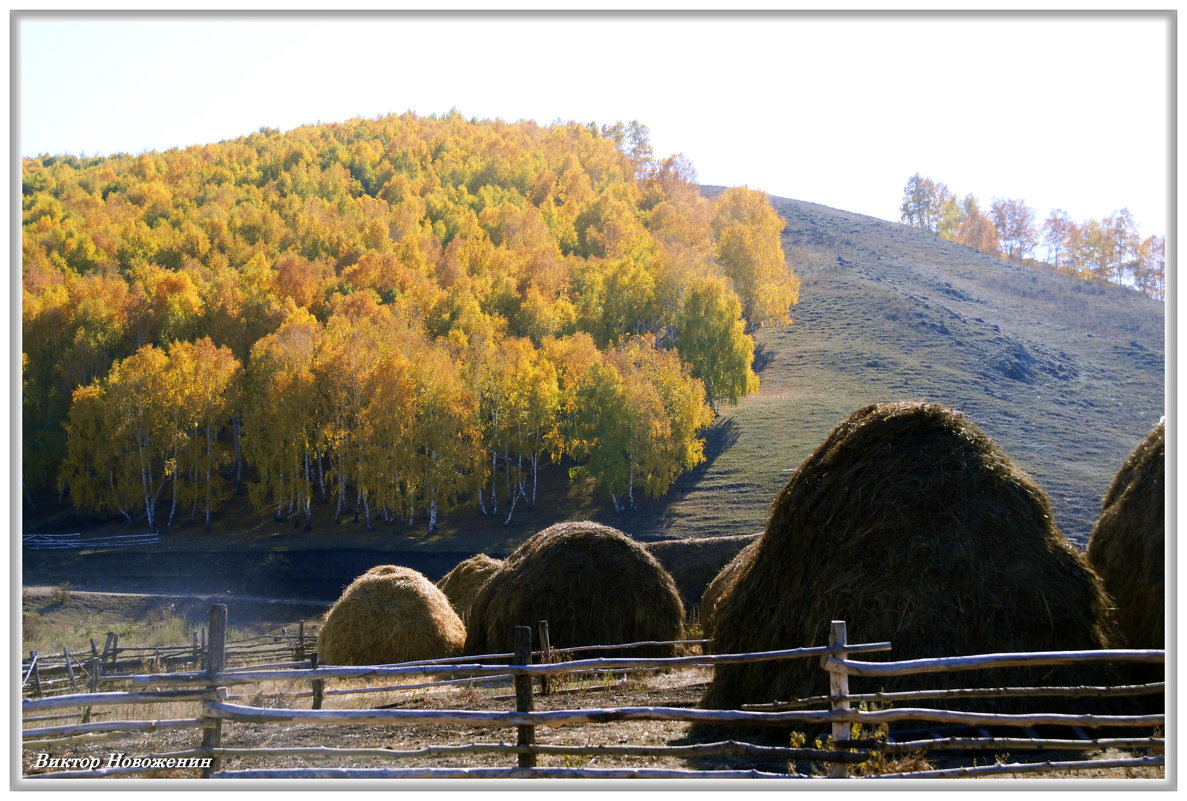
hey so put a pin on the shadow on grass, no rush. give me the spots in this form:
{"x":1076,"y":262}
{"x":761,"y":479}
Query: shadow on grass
{"x":762,"y":357}
{"x":649,"y":519}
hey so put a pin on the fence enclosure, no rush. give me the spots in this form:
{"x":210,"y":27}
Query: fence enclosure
{"x":211,"y":686}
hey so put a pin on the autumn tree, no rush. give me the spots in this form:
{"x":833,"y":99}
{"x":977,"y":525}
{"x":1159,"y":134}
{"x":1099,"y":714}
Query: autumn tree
{"x":929,"y":205}
{"x":711,"y":338}
{"x":281,"y":415}
{"x":1016,"y":232}
{"x":747,"y":246}
{"x":433,"y":239}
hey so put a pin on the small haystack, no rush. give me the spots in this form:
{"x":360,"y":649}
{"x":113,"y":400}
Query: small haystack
{"x":910,"y":524}
{"x":722,"y":584}
{"x":592,"y":583}
{"x":1127,"y":544}
{"x":692,"y":563}
{"x":461,"y":585}
{"x":390,"y":614}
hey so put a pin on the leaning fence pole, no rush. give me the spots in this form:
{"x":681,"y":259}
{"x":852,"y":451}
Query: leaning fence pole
{"x":212,"y":737}
{"x":35,"y":670}
{"x":523,"y":692}
{"x":94,"y":668}
{"x":70,"y":668}
{"x":838,"y":685}
{"x":545,"y":656}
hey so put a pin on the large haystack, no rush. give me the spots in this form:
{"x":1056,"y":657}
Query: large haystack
{"x":722,"y":584}
{"x":390,"y":614}
{"x":592,"y":583}
{"x":692,"y":563}
{"x":910,"y":524}
{"x":1127,"y":544}
{"x":461,"y":585}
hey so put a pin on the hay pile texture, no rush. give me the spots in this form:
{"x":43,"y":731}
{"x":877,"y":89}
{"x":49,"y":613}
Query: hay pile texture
{"x":910,"y":524}
{"x":721,"y":585}
{"x":592,"y":583}
{"x":1127,"y":549}
{"x":1127,"y":546}
{"x":693,"y":563}
{"x":390,"y":614}
{"x":461,"y":585}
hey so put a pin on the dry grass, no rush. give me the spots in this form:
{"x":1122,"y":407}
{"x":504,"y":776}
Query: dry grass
{"x":722,"y":584}
{"x":1127,"y":546}
{"x":910,"y":524}
{"x":692,"y":563}
{"x":390,"y":614}
{"x":594,"y":586}
{"x":461,"y":585}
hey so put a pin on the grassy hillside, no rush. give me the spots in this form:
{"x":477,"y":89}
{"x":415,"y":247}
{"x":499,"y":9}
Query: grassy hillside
{"x":1066,"y":375}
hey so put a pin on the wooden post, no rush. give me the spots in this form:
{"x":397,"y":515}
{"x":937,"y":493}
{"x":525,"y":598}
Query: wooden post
{"x":301,"y":641}
{"x":197,"y":651}
{"x":215,"y":660}
{"x":69,"y":668}
{"x":33,"y":664}
{"x":838,"y":684}
{"x":107,"y":648}
{"x":523,"y":692}
{"x":319,"y":685}
{"x":94,"y":668}
{"x":545,"y":656}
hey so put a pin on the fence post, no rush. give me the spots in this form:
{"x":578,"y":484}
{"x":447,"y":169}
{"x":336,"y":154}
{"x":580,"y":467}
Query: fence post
{"x":108,"y":649}
{"x":35,"y":667}
{"x":838,"y":685}
{"x":94,"y":667}
{"x":523,"y":692}
{"x":301,"y":641}
{"x":212,"y":737}
{"x":545,"y":656}
{"x":69,"y":669}
{"x":319,"y":685}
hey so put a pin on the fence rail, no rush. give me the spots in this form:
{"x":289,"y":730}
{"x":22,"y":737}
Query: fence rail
{"x":847,"y":713}
{"x":40,"y":542}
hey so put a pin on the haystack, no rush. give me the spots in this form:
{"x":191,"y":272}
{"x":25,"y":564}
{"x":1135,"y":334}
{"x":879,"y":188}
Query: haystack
{"x":592,"y":583}
{"x":692,"y":563}
{"x":722,"y":584}
{"x":390,"y":614}
{"x":912,"y":526}
{"x":461,"y":585}
{"x":1127,"y":544}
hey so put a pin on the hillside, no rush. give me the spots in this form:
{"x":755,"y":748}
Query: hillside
{"x":1066,"y":375}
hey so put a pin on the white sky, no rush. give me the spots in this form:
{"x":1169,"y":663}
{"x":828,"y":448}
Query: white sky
{"x":1062,"y":110}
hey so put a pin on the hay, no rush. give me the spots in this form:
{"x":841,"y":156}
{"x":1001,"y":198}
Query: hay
{"x":592,"y":583}
{"x":461,"y":585}
{"x":692,"y":564}
{"x":390,"y":614}
{"x":1127,"y":544}
{"x":910,"y":524}
{"x":722,"y":584}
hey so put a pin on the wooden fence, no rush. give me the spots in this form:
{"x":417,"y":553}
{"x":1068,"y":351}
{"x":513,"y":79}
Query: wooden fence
{"x":40,"y":542}
{"x":210,"y":688}
{"x":67,"y":671}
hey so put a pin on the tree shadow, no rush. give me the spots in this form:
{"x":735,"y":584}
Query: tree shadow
{"x":647,"y":520}
{"x":762,"y":357}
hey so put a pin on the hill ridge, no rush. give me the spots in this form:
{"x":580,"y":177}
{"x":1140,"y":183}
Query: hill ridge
{"x":1066,"y":375}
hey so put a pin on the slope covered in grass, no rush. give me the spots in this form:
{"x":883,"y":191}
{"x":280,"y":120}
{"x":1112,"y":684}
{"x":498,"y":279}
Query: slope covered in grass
{"x":1066,"y":375}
